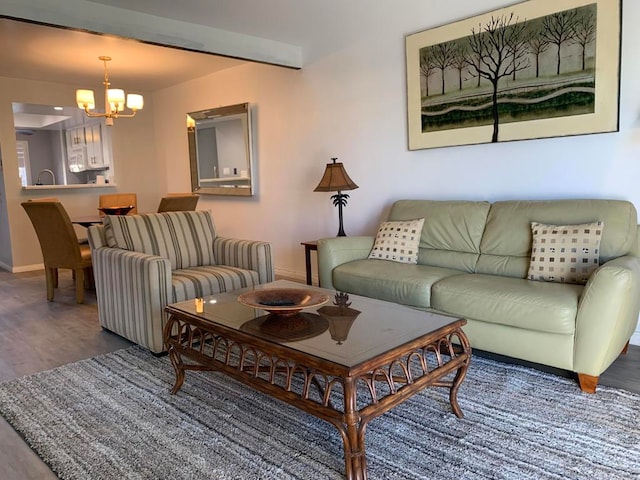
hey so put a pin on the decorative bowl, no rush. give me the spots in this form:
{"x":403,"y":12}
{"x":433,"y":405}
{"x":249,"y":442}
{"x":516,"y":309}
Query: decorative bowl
{"x":283,"y":301}
{"x":286,"y":328}
{"x":116,"y":210}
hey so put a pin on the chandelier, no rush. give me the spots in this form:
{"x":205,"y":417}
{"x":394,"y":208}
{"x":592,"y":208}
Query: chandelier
{"x":113,"y":100}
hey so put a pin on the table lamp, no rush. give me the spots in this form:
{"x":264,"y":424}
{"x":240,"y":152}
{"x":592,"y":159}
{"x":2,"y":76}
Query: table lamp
{"x":335,"y":179}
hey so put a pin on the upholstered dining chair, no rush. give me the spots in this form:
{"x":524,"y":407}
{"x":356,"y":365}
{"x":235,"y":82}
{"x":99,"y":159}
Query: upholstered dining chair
{"x":82,"y":239}
{"x":119,"y":200}
{"x":175,"y":202}
{"x":59,"y":245}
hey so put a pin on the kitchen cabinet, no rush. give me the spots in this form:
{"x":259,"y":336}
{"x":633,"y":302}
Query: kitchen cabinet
{"x":85,"y":148}
{"x":93,"y":139}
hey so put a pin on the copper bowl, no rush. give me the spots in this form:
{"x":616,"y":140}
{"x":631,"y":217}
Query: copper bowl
{"x":286,"y":328}
{"x":116,"y":210}
{"x":283,"y":301}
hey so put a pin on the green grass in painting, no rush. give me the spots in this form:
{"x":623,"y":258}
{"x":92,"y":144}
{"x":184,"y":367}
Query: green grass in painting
{"x":568,"y":104}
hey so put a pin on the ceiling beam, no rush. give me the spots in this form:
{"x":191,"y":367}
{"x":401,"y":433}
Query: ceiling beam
{"x":98,"y":18}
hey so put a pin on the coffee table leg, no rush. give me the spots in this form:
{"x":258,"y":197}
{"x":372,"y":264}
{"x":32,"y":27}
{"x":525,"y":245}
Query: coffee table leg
{"x":178,"y":366}
{"x":453,"y":393}
{"x":462,"y":372}
{"x":352,"y":432}
{"x":174,"y":356}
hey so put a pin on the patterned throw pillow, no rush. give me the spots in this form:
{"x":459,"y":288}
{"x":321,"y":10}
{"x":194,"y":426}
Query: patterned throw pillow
{"x":398,"y":241}
{"x":565,"y":253}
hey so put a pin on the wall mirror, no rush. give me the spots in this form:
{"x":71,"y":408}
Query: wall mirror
{"x":221,"y":151}
{"x":60,"y":146}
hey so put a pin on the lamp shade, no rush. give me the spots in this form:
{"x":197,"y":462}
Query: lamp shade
{"x":84,"y":98}
{"x":135,"y":101}
{"x":115,"y":97}
{"x":335,"y":179}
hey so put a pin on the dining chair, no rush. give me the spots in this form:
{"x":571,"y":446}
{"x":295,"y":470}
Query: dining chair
{"x":82,"y":239}
{"x":119,"y":200}
{"x":59,"y":245}
{"x":175,"y":202}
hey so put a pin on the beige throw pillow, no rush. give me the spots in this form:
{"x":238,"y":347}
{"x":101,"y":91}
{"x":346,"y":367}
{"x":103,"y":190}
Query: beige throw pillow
{"x":398,"y":241}
{"x":565,"y":253}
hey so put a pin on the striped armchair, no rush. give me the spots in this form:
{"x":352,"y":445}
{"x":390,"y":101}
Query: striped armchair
{"x":141,"y":263}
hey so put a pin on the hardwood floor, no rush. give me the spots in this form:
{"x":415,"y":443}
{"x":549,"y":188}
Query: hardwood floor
{"x":37,"y":335}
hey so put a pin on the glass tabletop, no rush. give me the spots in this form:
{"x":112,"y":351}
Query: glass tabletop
{"x":347,"y":330}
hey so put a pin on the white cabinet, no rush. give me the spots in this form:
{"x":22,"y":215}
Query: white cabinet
{"x":93,"y":139}
{"x":85,"y":148}
{"x":75,"y":137}
{"x":76,"y":150}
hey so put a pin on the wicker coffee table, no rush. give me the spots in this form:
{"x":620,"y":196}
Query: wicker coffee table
{"x":345,"y":362}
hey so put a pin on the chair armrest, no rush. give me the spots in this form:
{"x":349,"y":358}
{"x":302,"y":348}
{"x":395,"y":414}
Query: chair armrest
{"x":249,"y":254}
{"x":607,"y":314}
{"x":338,"y":250}
{"x":132,"y":289}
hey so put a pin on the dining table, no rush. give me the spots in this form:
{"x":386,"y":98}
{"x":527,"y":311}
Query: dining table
{"x":87,"y":220}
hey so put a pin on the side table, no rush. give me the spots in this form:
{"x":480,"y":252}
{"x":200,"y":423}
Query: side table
{"x":308,"y":246}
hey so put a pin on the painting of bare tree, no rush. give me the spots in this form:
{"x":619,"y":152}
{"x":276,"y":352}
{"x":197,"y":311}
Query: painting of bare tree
{"x":534,"y":70}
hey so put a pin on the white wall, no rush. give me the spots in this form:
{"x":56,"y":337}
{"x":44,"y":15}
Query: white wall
{"x":352,"y":105}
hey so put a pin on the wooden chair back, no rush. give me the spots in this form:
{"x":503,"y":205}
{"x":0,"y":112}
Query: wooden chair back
{"x":175,"y":202}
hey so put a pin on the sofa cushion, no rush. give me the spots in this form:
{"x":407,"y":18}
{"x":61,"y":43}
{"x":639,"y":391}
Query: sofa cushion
{"x":391,"y":281}
{"x":398,"y":241}
{"x":451,"y":233}
{"x":201,"y":281}
{"x":520,"y":303}
{"x":564,"y":253}
{"x":185,"y":238}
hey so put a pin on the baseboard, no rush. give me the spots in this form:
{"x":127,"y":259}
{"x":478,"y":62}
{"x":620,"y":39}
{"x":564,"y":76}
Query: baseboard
{"x":291,"y":275}
{"x":26,"y":268}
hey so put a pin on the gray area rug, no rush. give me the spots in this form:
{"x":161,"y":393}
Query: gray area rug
{"x":112,"y":417}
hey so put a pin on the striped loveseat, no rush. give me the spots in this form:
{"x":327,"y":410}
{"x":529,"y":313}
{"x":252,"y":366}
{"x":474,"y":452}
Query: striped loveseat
{"x":141,"y":263}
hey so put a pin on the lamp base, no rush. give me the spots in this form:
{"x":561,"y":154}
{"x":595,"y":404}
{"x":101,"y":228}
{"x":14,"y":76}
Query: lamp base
{"x":339,"y":200}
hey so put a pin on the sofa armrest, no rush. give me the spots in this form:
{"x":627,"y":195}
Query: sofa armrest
{"x":132,"y":290}
{"x":607,"y":314}
{"x":96,"y":236}
{"x":338,"y":250}
{"x":249,"y":254}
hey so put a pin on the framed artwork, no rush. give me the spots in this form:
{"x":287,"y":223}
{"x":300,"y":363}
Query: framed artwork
{"x":537,"y":69}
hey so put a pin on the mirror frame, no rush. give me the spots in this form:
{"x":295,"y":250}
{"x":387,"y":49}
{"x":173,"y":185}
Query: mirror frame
{"x":231,"y":188}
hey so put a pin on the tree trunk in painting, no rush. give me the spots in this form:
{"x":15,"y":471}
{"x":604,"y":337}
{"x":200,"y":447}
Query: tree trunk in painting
{"x":494,"y":111}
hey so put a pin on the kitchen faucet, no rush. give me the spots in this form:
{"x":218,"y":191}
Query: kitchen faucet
{"x":53,"y":177}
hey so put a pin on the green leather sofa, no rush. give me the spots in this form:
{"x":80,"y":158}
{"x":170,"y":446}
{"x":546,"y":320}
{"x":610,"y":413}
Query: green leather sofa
{"x":473,"y":262}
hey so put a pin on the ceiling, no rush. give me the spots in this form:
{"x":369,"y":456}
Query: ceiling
{"x":60,"y":55}
{"x":35,"y":51}
{"x":317,"y":26}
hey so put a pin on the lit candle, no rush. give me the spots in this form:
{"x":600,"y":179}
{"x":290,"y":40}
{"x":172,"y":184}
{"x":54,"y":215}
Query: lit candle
{"x":199,"y":305}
